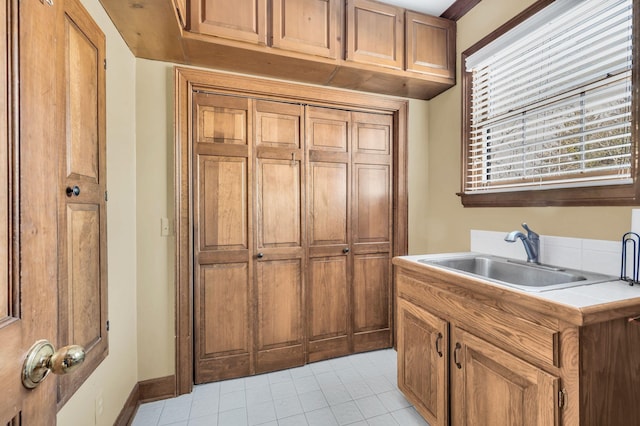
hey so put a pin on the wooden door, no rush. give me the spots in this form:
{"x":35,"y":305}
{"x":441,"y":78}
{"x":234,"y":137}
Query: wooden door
{"x":82,"y":216}
{"x":328,"y":174}
{"x":308,"y":26}
{"x":423,"y":359}
{"x":241,"y":20}
{"x":279,"y":237}
{"x":371,"y":183}
{"x":492,"y":387}
{"x":223,"y":253}
{"x":28,"y":197}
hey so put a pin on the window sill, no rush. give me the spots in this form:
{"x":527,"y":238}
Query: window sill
{"x":618,"y":195}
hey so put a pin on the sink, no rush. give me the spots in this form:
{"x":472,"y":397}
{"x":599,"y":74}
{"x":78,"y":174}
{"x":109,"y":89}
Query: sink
{"x":524,"y":276}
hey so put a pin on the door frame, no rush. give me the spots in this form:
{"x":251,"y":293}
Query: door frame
{"x":187,"y":81}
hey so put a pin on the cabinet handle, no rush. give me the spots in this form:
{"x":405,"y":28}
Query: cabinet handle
{"x":455,"y":355}
{"x":260,"y":255}
{"x":438,"y":349}
{"x":345,"y":250}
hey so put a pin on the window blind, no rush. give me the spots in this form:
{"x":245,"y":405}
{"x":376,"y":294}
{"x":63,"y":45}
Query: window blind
{"x":551,"y":104}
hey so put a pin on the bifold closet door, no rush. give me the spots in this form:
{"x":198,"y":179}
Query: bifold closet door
{"x":328,"y":291}
{"x":279,"y":238}
{"x":372,"y":136}
{"x":222,"y":220}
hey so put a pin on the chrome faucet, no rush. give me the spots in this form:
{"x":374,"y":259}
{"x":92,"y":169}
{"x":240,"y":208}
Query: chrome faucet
{"x":531,"y":242}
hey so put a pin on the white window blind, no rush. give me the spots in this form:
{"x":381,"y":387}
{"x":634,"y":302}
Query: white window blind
{"x":551,"y":101}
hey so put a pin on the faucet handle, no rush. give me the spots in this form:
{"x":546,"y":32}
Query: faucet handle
{"x":530,"y":233}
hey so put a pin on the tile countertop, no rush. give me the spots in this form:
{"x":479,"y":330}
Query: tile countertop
{"x":587,"y":300}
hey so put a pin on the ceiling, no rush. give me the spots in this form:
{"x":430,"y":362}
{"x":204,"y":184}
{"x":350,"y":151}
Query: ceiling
{"x":431,"y":7}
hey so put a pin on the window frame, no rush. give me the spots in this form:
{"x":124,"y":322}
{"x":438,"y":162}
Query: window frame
{"x":607,"y":195}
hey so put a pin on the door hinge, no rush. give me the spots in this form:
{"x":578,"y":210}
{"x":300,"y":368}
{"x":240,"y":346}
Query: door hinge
{"x":562,"y":398}
{"x":108,"y":325}
{"x":106,"y":195}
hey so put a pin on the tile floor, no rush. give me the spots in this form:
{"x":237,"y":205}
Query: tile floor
{"x":358,"y":389}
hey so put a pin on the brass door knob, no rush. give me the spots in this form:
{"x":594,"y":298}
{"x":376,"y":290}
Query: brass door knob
{"x":42,"y":359}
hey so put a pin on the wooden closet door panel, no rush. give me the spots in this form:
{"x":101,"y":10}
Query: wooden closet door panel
{"x":371,"y":295}
{"x":280,"y":240}
{"x":372,"y":212}
{"x":223,"y":336}
{"x":328,"y":204}
{"x":329,"y":324}
{"x":279,"y":203}
{"x":280,"y":314}
{"x":223,"y":244}
{"x":372,"y":204}
{"x":222,"y":203}
{"x":329,"y":290}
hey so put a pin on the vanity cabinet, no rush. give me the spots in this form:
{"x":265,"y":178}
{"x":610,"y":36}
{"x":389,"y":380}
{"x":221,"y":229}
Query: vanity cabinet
{"x":490,"y":386}
{"x":475,"y":353}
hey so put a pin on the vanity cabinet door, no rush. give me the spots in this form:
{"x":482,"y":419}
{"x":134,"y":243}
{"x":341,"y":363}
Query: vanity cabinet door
{"x":492,"y":387}
{"x":423,"y":357}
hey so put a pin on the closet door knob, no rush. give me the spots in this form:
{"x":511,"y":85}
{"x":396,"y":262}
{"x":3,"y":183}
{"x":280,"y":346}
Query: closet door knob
{"x":345,"y":250}
{"x":260,"y":255}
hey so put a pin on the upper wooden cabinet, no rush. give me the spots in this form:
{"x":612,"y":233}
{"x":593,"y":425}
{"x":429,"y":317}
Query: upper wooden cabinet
{"x":353,"y":44}
{"x":307,"y":26}
{"x":375,"y":33}
{"x":242,"y":20}
{"x":431,"y":45}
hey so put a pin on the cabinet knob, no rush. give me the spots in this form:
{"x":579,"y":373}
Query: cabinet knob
{"x":260,"y":255}
{"x":345,"y":250}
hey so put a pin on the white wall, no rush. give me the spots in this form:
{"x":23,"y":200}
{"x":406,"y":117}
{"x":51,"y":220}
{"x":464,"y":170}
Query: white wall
{"x":114,"y":379}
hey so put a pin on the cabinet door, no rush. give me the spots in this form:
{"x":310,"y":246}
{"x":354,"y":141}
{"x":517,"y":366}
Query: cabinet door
{"x":371,"y":205}
{"x":240,"y":20}
{"x":431,"y":45}
{"x":375,"y":33}
{"x":329,"y":292}
{"x":308,"y":26}
{"x":423,"y":357}
{"x":223,"y":270}
{"x":280,"y":239}
{"x":493,"y":387}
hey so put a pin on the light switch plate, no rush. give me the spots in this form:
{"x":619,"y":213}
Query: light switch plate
{"x":164,"y":226}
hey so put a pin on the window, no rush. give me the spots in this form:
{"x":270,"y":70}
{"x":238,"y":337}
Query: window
{"x":549,"y":109}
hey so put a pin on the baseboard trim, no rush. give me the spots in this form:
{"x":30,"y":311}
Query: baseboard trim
{"x":146,"y":391}
{"x":156,"y":389}
{"x":130,"y":407}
